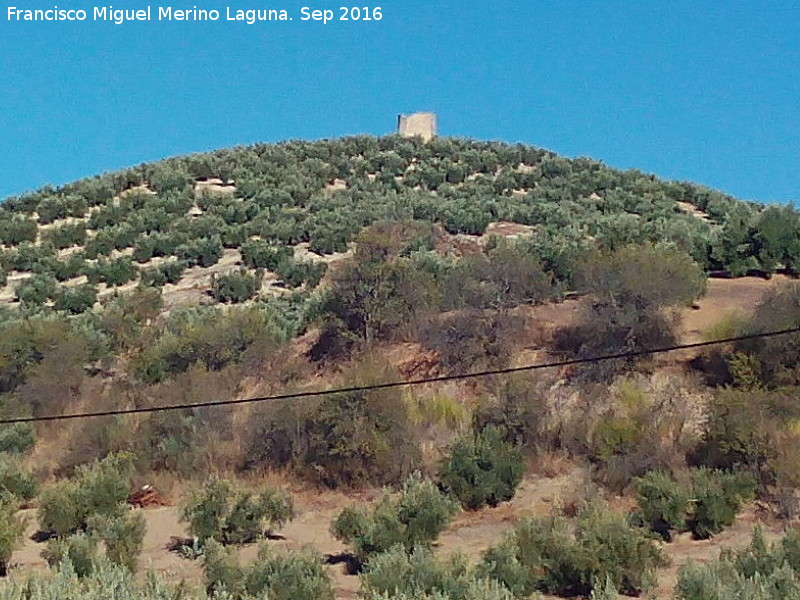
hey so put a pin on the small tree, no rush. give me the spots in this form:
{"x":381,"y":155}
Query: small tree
{"x":235,"y":287}
{"x":663,"y":503}
{"x":80,"y":548}
{"x":704,"y":506}
{"x":717,"y":498}
{"x":67,"y":235}
{"x":219,"y":512}
{"x":294,"y":575}
{"x":113,"y":272}
{"x":168,"y":272}
{"x":123,"y":537}
{"x":570,"y":557}
{"x":203,"y":252}
{"x":482,"y":470}
{"x":14,"y":482}
{"x":12,"y":528}
{"x":419,"y":574}
{"x":17,"y":230}
{"x":259,"y":254}
{"x":416,"y":517}
{"x":100,"y":489}
{"x":75,"y":300}
{"x":36,"y":290}
{"x":295,"y":273}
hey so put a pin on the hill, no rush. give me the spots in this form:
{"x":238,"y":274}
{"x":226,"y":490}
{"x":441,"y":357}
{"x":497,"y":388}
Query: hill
{"x":179,"y":222}
{"x":303,"y":266}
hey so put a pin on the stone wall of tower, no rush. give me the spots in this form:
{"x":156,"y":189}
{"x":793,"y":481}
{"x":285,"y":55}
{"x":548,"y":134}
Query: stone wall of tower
{"x":419,"y":124}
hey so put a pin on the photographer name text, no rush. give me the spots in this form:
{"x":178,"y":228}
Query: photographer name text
{"x":224,"y":14}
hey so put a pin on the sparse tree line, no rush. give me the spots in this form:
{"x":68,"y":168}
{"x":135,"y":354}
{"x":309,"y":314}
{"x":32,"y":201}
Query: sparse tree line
{"x":92,"y":537}
{"x":49,"y":274}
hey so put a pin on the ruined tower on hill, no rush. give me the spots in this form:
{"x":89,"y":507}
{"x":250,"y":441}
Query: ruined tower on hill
{"x":422,"y":124}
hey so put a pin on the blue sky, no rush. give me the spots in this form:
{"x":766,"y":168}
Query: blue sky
{"x":702,"y":91}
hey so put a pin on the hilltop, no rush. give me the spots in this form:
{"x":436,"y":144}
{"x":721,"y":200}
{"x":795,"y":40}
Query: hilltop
{"x":290,"y":209}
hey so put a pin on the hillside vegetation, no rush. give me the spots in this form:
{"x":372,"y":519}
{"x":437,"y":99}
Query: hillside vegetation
{"x":307,"y":265}
{"x":281,"y":208}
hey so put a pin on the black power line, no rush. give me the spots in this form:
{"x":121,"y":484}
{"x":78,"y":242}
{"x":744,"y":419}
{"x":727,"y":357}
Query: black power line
{"x":395,"y":384}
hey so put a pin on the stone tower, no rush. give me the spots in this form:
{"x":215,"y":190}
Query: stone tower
{"x":422,"y":124}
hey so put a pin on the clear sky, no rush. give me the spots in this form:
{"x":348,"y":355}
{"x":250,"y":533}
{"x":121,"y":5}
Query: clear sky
{"x":704,"y":91}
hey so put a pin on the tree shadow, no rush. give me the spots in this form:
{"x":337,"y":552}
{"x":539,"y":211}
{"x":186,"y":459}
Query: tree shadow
{"x":353,"y":566}
{"x":41,"y":537}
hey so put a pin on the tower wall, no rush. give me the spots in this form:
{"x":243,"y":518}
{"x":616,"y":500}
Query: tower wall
{"x":419,"y":124}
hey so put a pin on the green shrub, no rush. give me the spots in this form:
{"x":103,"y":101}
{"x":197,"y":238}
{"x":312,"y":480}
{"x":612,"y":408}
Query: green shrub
{"x":400,"y":573}
{"x":235,"y":287}
{"x":113,"y":272}
{"x":17,"y":438}
{"x":292,"y":575}
{"x":359,"y":438}
{"x":59,"y":512}
{"x":719,"y":581}
{"x":75,"y":300}
{"x":74,"y":266}
{"x":416,"y":517}
{"x":790,"y":548}
{"x":26,"y":256}
{"x":705,"y":505}
{"x":480,"y":589}
{"x":144,"y":249}
{"x":717,"y":497}
{"x":758,"y":571}
{"x":122,"y":536}
{"x":168,"y":272}
{"x":203,"y":252}
{"x":327,"y":240}
{"x":65,"y":236}
{"x":210,"y":337}
{"x":104,"y":581}
{"x":229,"y":516}
{"x":259,"y":254}
{"x":608,"y":591}
{"x":564,"y":557}
{"x":100,"y":489}
{"x":81,"y":549}
{"x":295,"y":273}
{"x":14,"y":231}
{"x":56,"y":207}
{"x":101,"y":244}
{"x":52,"y":208}
{"x":481,"y":470}
{"x":14,"y":482}
{"x":122,"y":236}
{"x":233,"y":236}
{"x":663,"y":503}
{"x":750,"y":430}
{"x":12,"y":530}
{"x":36,"y":290}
